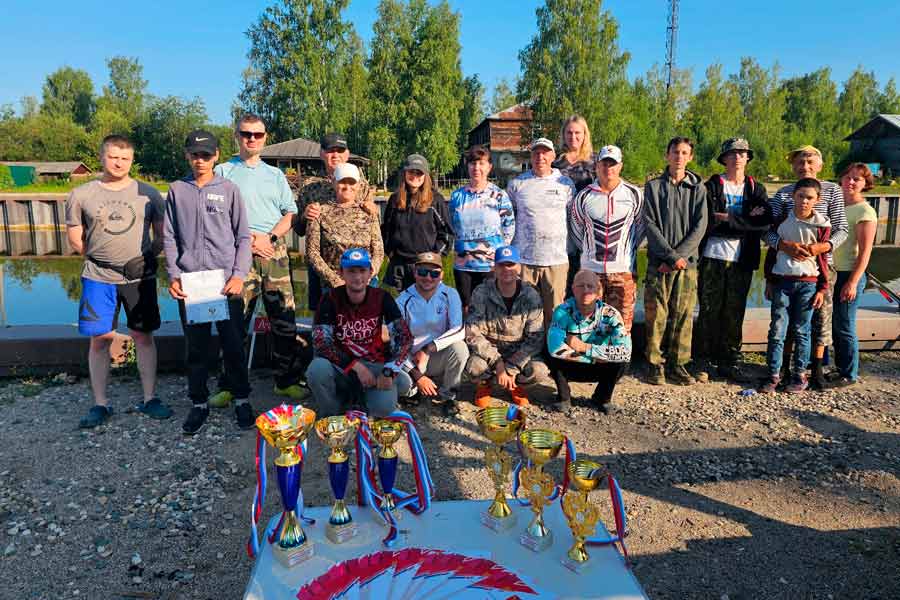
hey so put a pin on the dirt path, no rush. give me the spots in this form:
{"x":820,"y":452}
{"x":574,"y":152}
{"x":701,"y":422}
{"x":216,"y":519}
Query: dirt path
{"x":728,"y":496}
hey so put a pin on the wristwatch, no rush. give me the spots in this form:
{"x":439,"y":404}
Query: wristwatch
{"x":273,"y":238}
{"x":388,"y":372}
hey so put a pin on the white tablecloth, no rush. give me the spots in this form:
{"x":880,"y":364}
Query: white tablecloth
{"x":452,"y":526}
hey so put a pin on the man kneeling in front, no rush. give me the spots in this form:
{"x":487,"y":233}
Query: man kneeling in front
{"x":354,"y":363}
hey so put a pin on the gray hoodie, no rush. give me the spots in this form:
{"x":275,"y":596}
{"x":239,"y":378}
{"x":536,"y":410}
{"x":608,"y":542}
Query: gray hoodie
{"x":675,"y":217}
{"x":206,"y":228}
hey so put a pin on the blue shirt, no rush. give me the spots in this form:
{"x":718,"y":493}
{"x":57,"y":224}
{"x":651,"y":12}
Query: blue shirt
{"x":604,"y":332}
{"x":265,"y":191}
{"x":482,"y":222}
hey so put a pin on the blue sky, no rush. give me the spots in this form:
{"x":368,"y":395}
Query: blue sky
{"x":199,"y":48}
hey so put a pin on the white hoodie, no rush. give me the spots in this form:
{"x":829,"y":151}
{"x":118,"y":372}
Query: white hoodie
{"x":803,"y":231}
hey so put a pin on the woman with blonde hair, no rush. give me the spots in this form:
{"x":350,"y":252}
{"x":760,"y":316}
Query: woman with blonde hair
{"x":416,"y":220}
{"x":576,"y":159}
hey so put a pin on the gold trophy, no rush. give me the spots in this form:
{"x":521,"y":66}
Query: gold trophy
{"x":337,"y":432}
{"x":540,"y":446}
{"x":285,"y":428}
{"x":386,"y":433}
{"x":584,"y":477}
{"x":496,"y":427}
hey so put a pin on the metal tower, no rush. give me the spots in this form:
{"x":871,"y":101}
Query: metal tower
{"x":671,"y":40}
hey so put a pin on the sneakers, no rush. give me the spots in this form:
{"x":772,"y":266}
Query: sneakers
{"x":733,"y":372}
{"x":155,"y":409}
{"x":843,"y":382}
{"x":607,"y":408}
{"x":95,"y":417}
{"x":519,"y":397}
{"x":196,"y":420}
{"x":679,"y":376}
{"x":221,"y":400}
{"x":243,"y":414}
{"x":483,"y":395}
{"x":770,"y":385}
{"x":817,"y":380}
{"x":797,"y":385}
{"x":656,"y":375}
{"x":294,"y":392}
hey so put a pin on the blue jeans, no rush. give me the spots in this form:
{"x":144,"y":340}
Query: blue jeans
{"x":791,"y":308}
{"x":846,"y":342}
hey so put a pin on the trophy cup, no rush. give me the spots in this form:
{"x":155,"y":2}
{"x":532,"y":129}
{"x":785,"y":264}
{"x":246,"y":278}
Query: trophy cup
{"x":386,"y":433}
{"x":540,"y":446}
{"x":584,"y":476}
{"x":285,"y":428}
{"x":496,"y":427}
{"x":337,"y":432}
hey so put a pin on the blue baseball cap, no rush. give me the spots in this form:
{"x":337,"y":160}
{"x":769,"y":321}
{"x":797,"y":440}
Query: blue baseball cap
{"x":507,"y":254}
{"x":356,"y":257}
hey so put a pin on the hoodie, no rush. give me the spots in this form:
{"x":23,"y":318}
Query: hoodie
{"x":206,"y":228}
{"x":815,"y":229}
{"x":675,"y":218}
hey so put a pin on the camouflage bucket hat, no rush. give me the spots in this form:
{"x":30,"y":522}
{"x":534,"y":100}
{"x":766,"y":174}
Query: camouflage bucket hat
{"x":733,"y":145}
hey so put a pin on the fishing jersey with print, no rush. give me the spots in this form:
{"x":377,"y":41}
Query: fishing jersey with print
{"x":604,"y":332}
{"x":344,"y":332}
{"x":541,"y":205}
{"x":608,"y":228}
{"x":482,"y":222}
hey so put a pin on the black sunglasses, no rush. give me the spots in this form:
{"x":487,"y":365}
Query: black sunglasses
{"x":258,"y":135}
{"x":423,"y":272}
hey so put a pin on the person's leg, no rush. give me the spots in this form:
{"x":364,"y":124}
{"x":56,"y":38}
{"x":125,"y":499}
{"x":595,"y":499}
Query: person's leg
{"x":381,"y":403}
{"x":322,"y":376}
{"x":656,"y":313}
{"x":278,"y":297}
{"x":234,"y":361}
{"x":681,"y":306}
{"x":98,"y":365}
{"x":734,"y":308}
{"x":801,"y":324}
{"x":97,"y":319}
{"x":821,"y":332}
{"x":139,"y":300}
{"x":846,"y":342}
{"x":535,"y":373}
{"x":463,"y":281}
{"x":197,"y":338}
{"x":446,"y":369}
{"x":711,"y":290}
{"x":313,"y":288}
{"x":618,"y":290}
{"x":607,"y":376}
{"x":559,"y":372}
{"x":556,"y":278}
{"x":778,"y":326}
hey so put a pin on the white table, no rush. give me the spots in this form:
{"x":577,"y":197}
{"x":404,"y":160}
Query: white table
{"x":452,"y":526}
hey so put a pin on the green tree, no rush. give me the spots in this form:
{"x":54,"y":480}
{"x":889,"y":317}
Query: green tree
{"x":472,"y":111}
{"x":573,"y":64}
{"x":811,"y":112}
{"x":858,"y":101}
{"x":127,"y":89}
{"x":503,"y":96}
{"x":301,"y":57}
{"x":69,"y":93}
{"x":159,"y":135}
{"x":764,"y":102}
{"x":889,"y":99}
{"x":714,"y":114}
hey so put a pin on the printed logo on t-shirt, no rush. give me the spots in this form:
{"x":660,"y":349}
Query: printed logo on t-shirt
{"x":117,"y":217}
{"x":215,"y":197}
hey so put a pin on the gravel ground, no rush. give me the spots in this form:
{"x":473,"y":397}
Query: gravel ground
{"x":729,"y":497}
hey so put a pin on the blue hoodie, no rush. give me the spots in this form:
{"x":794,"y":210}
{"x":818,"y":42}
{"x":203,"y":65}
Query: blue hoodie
{"x":206,"y":229}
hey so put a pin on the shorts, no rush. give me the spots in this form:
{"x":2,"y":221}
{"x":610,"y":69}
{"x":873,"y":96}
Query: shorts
{"x":98,"y":310}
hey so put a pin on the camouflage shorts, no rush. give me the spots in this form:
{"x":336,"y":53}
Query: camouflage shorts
{"x":821,"y":320}
{"x":272,"y":277}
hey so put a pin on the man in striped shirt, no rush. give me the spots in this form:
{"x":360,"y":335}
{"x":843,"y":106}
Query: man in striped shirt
{"x":806,"y":161}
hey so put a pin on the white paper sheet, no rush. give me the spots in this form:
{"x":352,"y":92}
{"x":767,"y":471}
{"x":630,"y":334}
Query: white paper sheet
{"x":205,"y":302}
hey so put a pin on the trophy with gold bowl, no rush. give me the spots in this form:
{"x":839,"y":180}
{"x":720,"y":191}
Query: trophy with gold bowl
{"x":386,"y":433}
{"x":500,"y":425}
{"x":337,"y":432}
{"x":539,"y":446}
{"x":584,"y":477}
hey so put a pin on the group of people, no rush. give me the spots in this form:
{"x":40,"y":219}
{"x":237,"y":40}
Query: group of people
{"x":544,"y":272}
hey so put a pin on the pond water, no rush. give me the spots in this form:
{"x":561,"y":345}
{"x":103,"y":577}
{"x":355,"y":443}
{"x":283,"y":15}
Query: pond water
{"x":45,"y":291}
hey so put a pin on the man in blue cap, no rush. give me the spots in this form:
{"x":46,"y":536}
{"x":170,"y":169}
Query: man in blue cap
{"x":361,"y":342}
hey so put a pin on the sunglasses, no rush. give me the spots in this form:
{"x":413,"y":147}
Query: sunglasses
{"x":423,"y":272}
{"x":201,"y":156}
{"x":257,"y":135}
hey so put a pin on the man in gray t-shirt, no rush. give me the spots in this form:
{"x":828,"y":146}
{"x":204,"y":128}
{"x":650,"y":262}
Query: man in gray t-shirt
{"x":116,"y":224}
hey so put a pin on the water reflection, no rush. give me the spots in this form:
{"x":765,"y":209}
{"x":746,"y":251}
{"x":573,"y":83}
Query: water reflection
{"x":45,"y":290}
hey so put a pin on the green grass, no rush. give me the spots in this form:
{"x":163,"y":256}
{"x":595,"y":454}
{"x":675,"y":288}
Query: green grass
{"x":64,"y":187}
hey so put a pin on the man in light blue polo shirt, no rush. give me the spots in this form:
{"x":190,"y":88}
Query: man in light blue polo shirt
{"x":270,"y":211}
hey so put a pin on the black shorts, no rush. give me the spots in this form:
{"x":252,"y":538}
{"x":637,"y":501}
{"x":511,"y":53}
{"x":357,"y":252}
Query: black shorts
{"x":98,"y":312}
{"x":467,"y":281}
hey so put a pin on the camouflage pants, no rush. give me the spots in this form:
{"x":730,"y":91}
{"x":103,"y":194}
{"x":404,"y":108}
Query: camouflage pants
{"x":722,"y":291}
{"x":669,"y":300}
{"x":271,"y":279}
{"x":618,"y":290}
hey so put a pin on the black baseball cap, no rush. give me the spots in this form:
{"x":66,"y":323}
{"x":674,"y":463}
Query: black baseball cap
{"x":333,"y":140}
{"x":201,"y":140}
{"x":416,"y":162}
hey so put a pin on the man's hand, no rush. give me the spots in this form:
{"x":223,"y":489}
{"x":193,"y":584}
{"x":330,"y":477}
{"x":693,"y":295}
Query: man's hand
{"x":234,"y":286}
{"x":818,"y":300}
{"x":848,"y":292}
{"x":385,"y":382}
{"x":261,"y":246}
{"x":312,"y":211}
{"x":426,"y":386}
{"x":575,"y":343}
{"x":680,"y":264}
{"x":504,"y":379}
{"x":720,"y":217}
{"x":795,"y":250}
{"x":758,"y":211}
{"x":175,"y":290}
{"x":364,"y":374}
{"x":819,"y":248}
{"x":664,"y":268}
{"x":420,"y":358}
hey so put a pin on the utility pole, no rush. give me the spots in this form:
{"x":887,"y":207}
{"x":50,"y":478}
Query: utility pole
{"x":671,"y":40}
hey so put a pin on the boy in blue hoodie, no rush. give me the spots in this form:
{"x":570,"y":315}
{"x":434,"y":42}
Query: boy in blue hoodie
{"x":206,"y":229}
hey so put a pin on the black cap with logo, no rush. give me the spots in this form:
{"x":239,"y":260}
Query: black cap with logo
{"x":333,"y":140}
{"x":201,"y":140}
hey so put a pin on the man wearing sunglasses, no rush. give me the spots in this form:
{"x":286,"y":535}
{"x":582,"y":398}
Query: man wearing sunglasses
{"x":271,"y":209}
{"x":319,"y":190}
{"x":433,"y":312}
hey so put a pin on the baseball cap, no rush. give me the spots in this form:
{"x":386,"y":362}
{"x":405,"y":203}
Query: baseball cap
{"x":541,"y":142}
{"x":356,"y":257}
{"x":429,"y":258}
{"x":611,"y":152}
{"x":415,"y":162}
{"x":201,"y":140}
{"x":333,"y":140}
{"x":507,"y":254}
{"x":346,"y":171}
{"x":807,"y":149}
{"x":733,"y":145}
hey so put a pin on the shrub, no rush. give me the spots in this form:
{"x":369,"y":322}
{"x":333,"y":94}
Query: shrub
{"x":6,"y":180}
